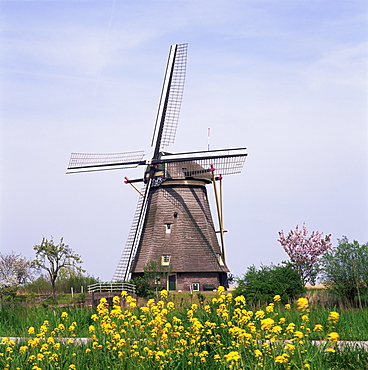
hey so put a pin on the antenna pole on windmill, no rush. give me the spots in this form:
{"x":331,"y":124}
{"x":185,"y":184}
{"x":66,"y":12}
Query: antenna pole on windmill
{"x":208,"y":138}
{"x":164,"y":174}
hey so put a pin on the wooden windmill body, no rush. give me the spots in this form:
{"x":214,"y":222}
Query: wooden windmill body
{"x":172,"y":226}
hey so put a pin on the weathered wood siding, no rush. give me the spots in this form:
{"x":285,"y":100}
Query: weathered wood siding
{"x":192,"y":243}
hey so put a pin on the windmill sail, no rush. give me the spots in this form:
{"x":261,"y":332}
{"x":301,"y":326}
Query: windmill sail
{"x":224,"y":161}
{"x":86,"y":162}
{"x":172,"y":224}
{"x":171,"y":97}
{"x":122,"y":271}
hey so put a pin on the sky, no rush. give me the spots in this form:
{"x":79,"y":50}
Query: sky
{"x":285,"y":79}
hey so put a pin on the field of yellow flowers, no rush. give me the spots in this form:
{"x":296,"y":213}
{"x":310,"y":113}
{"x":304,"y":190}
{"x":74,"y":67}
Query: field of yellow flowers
{"x":223,"y":334}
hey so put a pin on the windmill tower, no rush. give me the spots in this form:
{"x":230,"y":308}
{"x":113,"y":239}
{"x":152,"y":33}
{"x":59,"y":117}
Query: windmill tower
{"x":172,"y":225}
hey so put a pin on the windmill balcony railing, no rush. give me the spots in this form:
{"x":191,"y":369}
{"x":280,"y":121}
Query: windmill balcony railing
{"x":111,"y":287}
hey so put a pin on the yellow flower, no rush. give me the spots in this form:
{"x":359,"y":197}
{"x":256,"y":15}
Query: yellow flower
{"x":287,"y":306}
{"x":290,"y":328}
{"x":232,"y":356}
{"x":40,"y":356}
{"x":240,"y":300}
{"x":267,"y":324}
{"x":318,"y":327}
{"x":164,"y":293}
{"x":64,"y":315}
{"x":116,"y":300}
{"x":260,"y":314}
{"x":330,"y":350}
{"x":220,"y":290}
{"x":282,"y":359}
{"x":302,"y":304}
{"x":333,"y":317}
{"x":23,"y":349}
{"x":50,"y":340}
{"x":277,"y":298}
{"x":257,"y":353}
{"x":289,"y":347}
{"x":298,"y":334}
{"x":31,"y":330}
{"x":277,"y":329}
{"x":333,"y":336}
{"x":91,"y":329}
{"x":144,"y":309}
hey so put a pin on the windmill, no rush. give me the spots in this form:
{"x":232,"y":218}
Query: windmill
{"x":172,"y":225}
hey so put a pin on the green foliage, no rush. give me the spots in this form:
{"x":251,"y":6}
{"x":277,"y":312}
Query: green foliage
{"x":74,"y":278}
{"x":8,"y":293}
{"x":261,"y":285}
{"x":156,"y":274}
{"x":153,"y":279}
{"x":39,"y":286}
{"x":67,"y":279}
{"x":143,"y":288}
{"x":345,"y":271}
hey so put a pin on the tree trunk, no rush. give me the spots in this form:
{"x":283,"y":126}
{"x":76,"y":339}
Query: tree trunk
{"x":54,"y":290}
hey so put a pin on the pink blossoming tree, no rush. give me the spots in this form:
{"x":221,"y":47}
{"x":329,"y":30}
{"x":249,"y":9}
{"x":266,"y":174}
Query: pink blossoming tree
{"x":305,"y":251}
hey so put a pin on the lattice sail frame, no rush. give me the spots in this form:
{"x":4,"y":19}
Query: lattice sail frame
{"x":171,"y":97}
{"x":82,"y":162}
{"x":193,"y":164}
{"x":175,"y":97}
{"x":200,"y":164}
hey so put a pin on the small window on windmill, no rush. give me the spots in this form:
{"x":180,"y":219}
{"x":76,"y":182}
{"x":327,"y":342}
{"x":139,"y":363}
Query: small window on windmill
{"x":220,"y":260}
{"x":165,"y":259}
{"x":168,"y":228}
{"x":195,"y":287}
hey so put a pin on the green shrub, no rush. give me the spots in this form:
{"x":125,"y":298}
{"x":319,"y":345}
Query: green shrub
{"x":66,"y":280}
{"x":345,"y":271}
{"x":143,"y":287}
{"x":261,"y":285}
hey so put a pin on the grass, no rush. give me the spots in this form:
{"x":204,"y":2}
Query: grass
{"x":15,"y":319}
{"x":208,"y":330}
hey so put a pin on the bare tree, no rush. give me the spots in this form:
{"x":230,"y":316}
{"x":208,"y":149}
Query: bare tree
{"x":52,"y":258}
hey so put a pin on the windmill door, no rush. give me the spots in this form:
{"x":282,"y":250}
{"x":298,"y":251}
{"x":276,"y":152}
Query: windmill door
{"x":172,"y":282}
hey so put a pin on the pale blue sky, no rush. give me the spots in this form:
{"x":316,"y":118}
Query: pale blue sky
{"x":286,"y":79}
